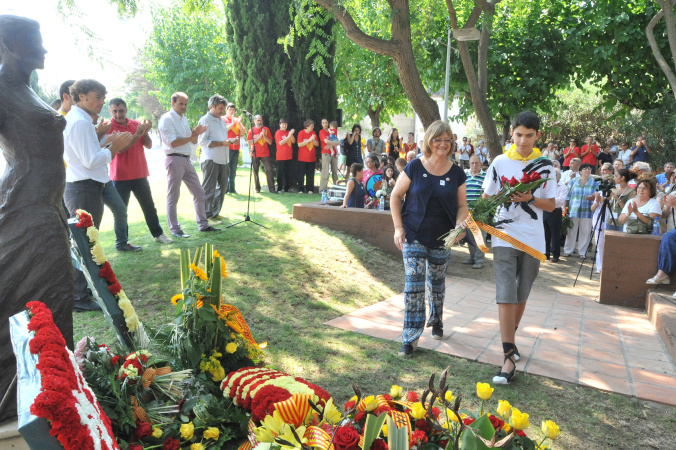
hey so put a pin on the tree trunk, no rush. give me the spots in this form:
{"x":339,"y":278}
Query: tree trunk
{"x":399,"y":48}
{"x":667,"y":12}
{"x":506,"y":125}
{"x":374,"y":115}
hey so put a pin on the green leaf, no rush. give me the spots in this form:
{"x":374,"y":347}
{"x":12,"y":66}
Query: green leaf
{"x":372,"y":428}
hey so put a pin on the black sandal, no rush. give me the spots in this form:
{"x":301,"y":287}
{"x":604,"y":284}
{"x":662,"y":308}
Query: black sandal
{"x":506,"y":377}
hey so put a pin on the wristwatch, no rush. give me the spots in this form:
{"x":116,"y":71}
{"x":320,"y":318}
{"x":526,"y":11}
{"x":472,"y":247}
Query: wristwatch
{"x":532,"y":200}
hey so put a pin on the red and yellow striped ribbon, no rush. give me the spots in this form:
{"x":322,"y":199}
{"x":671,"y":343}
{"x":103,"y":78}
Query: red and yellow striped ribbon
{"x":152,"y":372}
{"x":401,"y":419}
{"x":380,"y":399}
{"x":139,"y":413}
{"x":294,"y":410}
{"x":246,"y":445}
{"x":316,"y":437}
{"x":474,"y":228}
{"x":516,"y":243}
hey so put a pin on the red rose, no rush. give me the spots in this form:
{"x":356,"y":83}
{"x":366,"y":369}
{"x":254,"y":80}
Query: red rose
{"x":346,"y":438}
{"x":525,"y":179}
{"x":435,"y":412}
{"x":411,"y":396}
{"x":513,"y":182}
{"x":387,"y":397}
{"x":360,"y":416}
{"x":171,"y":444}
{"x":497,"y":423}
{"x":504,"y":179}
{"x":382,"y":409}
{"x":535,"y":176}
{"x":143,"y":429}
{"x":520,"y":433}
{"x":135,"y":447}
{"x":421,"y":424}
{"x":468,"y":420}
{"x":418,"y":437}
{"x":114,"y":360}
{"x":379,"y":444}
{"x":443,"y":443}
{"x":349,"y":405}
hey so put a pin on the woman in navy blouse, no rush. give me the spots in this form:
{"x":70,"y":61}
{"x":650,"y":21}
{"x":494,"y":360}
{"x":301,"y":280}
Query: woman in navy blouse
{"x":435,"y":203}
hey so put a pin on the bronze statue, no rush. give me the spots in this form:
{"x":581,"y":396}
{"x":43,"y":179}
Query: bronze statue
{"x":34,"y":249}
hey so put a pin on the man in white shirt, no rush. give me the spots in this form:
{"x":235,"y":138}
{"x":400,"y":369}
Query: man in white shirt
{"x":553,"y":220}
{"x":178,"y":141}
{"x":464,"y":151}
{"x":572,"y":173}
{"x":214,"y":158}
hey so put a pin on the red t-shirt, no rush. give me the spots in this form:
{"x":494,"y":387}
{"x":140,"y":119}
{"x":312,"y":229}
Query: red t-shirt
{"x":590,"y":158}
{"x":232,"y":133}
{"x":132,"y":164}
{"x":284,"y":152}
{"x":573,"y":153}
{"x":307,"y":153}
{"x":323,"y":134}
{"x":408,"y":148}
{"x":262,"y":149}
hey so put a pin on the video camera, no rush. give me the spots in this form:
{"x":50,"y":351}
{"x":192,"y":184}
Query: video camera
{"x":606,"y":184}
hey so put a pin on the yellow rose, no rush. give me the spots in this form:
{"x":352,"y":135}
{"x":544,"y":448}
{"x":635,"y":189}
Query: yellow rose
{"x":231,"y":347}
{"x":157,"y":432}
{"x":187,"y":430}
{"x":196,"y":446}
{"x":449,"y":397}
{"x":370,"y":403}
{"x":484,"y":391}
{"x":418,"y":411}
{"x":396,"y":391}
{"x":212,"y":433}
{"x":504,"y":408}
{"x":550,"y":429}
{"x":519,"y":420}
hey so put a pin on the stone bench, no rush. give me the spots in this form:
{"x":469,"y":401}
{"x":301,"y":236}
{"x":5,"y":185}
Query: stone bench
{"x":370,"y":225}
{"x":628,"y":261}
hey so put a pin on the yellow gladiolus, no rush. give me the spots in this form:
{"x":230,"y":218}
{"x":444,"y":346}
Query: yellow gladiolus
{"x":264,"y":435}
{"x":288,"y":436}
{"x":550,"y":429}
{"x":504,"y":408}
{"x":418,"y":411}
{"x":212,"y":433}
{"x":157,"y":432}
{"x":331,"y":413}
{"x":449,"y":397}
{"x":187,"y":430}
{"x":274,"y":422}
{"x":484,"y":391}
{"x":396,"y":391}
{"x":519,"y":420}
{"x":197,"y":446}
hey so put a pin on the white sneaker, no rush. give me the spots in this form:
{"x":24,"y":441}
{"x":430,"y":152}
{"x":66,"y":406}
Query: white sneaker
{"x":163,"y":239}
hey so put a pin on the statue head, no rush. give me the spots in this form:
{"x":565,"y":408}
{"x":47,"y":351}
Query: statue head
{"x":21,"y":44}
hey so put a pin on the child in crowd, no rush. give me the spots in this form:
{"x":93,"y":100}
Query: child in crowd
{"x":333,"y":136}
{"x":355,"y":192}
{"x":400,"y":163}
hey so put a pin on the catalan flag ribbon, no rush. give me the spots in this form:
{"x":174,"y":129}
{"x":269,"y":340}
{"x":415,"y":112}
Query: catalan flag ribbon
{"x":476,"y":232}
{"x":316,"y":437}
{"x":507,"y":238}
{"x":294,"y":410}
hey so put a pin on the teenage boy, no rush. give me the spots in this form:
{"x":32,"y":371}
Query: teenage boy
{"x":283,"y":140}
{"x":515,"y":270}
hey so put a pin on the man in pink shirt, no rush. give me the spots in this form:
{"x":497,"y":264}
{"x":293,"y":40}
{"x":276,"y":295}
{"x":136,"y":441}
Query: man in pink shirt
{"x":129,"y":170}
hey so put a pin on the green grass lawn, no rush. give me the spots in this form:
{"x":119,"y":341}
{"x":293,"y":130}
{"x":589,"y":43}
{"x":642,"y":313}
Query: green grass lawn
{"x":292,"y":277}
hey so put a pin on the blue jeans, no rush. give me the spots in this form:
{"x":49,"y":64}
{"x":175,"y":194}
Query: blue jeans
{"x":423,"y":265}
{"x":232,"y":166}
{"x":141,"y":189}
{"x":114,"y":202}
{"x":666,"y":258}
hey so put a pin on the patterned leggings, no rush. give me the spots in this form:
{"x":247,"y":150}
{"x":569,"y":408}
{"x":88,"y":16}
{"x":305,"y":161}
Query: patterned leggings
{"x":423,"y":264}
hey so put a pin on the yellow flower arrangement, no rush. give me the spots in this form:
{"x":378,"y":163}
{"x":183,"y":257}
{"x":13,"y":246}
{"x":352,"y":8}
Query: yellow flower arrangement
{"x":331,"y":413}
{"x":98,"y":255}
{"x":504,"y":408}
{"x":199,"y":273}
{"x":197,"y":446}
{"x":187,"y":430}
{"x":418,"y":411}
{"x":449,"y":397}
{"x":157,"y":432}
{"x":130,"y":316}
{"x":213,"y":365}
{"x":212,"y":433}
{"x":93,"y":234}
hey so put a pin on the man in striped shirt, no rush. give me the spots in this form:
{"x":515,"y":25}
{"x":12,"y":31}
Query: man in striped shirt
{"x":474,"y":182}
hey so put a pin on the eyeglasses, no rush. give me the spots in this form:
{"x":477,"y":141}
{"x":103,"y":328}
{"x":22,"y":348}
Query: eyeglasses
{"x":439,"y":141}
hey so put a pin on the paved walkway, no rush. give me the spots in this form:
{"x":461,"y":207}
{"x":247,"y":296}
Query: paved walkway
{"x":568,"y":338}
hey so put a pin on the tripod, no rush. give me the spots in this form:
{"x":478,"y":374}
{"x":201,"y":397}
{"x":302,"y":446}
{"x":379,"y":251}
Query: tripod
{"x":247,"y":218}
{"x":600,"y":221}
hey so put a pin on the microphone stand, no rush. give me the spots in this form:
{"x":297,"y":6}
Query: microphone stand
{"x":247,"y":218}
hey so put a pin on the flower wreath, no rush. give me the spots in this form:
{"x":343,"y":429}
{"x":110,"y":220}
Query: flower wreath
{"x":65,"y":400}
{"x":134,"y":325}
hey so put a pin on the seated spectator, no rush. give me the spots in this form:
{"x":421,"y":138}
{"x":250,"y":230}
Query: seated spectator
{"x":666,"y":260}
{"x":642,"y":170}
{"x":669,"y":205}
{"x":389,"y":181}
{"x":580,"y":196}
{"x":354,"y":192}
{"x":557,"y":165}
{"x":619,"y":197}
{"x":663,"y":178}
{"x":618,"y":164}
{"x":410,"y":156}
{"x":372,"y":164}
{"x":400,"y":163}
{"x":640,"y":212}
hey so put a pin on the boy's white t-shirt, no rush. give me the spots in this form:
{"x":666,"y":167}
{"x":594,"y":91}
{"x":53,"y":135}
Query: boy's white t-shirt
{"x":523,"y":226}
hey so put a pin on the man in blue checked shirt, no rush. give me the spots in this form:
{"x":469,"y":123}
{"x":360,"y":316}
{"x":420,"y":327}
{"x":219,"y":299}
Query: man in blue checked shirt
{"x":474,"y":182}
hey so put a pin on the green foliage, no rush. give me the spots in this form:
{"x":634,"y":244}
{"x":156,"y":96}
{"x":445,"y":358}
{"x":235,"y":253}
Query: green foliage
{"x":140,"y":101}
{"x":188,"y":53}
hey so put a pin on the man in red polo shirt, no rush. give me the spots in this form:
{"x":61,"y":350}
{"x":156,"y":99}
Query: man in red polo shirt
{"x":235,"y":130}
{"x":129,"y":170}
{"x":259,"y":139}
{"x":589,"y":153}
{"x":307,"y":156}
